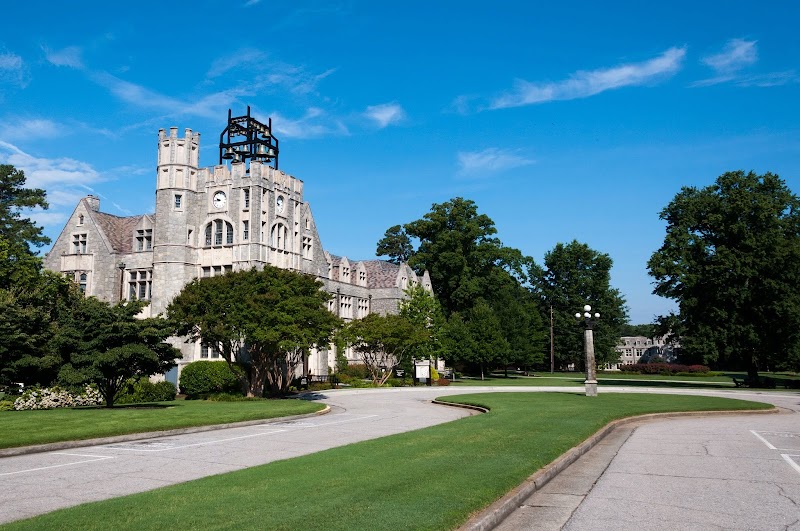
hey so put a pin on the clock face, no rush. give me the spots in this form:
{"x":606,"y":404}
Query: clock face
{"x":219,"y":200}
{"x":279,"y":203}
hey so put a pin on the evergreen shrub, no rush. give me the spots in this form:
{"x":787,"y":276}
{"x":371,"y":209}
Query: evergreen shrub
{"x":202,"y":378}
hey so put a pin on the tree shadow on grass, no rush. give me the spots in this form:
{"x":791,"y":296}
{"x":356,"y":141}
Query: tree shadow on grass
{"x":655,"y":383}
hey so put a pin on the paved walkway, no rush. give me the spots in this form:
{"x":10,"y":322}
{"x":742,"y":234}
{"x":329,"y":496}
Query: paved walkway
{"x":47,"y":481}
{"x":714,"y":473}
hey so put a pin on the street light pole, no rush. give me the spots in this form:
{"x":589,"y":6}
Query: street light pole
{"x":589,"y":321}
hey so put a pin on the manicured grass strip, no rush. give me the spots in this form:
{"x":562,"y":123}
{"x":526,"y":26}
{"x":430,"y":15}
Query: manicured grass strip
{"x":426,"y":479}
{"x":23,"y":428}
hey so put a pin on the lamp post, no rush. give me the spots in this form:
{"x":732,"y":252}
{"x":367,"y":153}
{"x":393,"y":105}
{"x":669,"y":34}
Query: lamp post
{"x":121,"y":267}
{"x":589,"y":321}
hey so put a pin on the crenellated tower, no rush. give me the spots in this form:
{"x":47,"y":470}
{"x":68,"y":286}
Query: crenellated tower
{"x":174,"y":241}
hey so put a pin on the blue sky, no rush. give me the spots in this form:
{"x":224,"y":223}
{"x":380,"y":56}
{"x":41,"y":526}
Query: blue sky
{"x":569,"y":121}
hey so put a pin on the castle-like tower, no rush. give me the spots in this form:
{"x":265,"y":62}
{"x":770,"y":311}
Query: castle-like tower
{"x":243,"y":212}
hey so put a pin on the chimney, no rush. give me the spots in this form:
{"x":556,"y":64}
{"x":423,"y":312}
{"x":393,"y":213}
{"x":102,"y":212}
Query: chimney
{"x":94,"y":202}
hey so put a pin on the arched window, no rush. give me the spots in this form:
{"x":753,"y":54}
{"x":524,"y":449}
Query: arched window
{"x":278,"y":236}
{"x":219,"y":232}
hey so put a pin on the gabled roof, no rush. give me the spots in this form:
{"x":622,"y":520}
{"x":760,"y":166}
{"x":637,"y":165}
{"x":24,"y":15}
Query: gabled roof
{"x":118,"y":230}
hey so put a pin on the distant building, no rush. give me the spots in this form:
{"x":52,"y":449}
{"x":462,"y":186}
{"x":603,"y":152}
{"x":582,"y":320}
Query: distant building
{"x":209,"y":221}
{"x":633,"y":349}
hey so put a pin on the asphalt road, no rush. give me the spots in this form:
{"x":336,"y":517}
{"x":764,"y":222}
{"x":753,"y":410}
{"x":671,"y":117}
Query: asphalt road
{"x":39,"y":483}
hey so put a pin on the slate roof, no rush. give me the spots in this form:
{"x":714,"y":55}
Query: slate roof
{"x":118,"y":230}
{"x":380,"y":273}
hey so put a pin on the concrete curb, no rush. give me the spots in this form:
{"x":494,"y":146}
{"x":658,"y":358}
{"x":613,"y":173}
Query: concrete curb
{"x":66,"y":445}
{"x":493,"y":515}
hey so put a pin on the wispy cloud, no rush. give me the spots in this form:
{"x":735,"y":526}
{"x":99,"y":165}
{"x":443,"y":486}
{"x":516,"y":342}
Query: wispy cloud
{"x":240,"y":58}
{"x":737,"y":54}
{"x":315,"y":123}
{"x":30,"y":128}
{"x":385,"y":114}
{"x":13,"y":70}
{"x":261,"y":72}
{"x":732,"y":62}
{"x":69,"y":56}
{"x":585,"y":83}
{"x":251,"y":3}
{"x":64,"y":179}
{"x":489,"y":161}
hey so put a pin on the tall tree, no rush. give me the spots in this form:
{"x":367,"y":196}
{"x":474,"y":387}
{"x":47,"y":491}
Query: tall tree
{"x":731,"y":260}
{"x":34,"y":317}
{"x":458,"y":248}
{"x":395,"y":244}
{"x":263,"y":321}
{"x":575,"y":275}
{"x":14,"y":200}
{"x":112,"y":346}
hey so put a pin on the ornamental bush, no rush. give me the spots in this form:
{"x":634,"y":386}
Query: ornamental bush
{"x":665,"y":369}
{"x":143,"y":390}
{"x":55,"y":397}
{"x":203,"y":378}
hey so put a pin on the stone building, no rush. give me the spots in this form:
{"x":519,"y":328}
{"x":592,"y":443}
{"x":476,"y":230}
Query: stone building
{"x":209,"y":221}
{"x":632,"y":349}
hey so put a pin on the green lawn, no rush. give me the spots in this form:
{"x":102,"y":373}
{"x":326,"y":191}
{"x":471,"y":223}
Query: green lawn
{"x":426,"y":479}
{"x":23,"y":428}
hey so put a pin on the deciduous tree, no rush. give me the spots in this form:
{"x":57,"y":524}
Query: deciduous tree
{"x":384,"y":342}
{"x":112,"y":346}
{"x":265,"y":321}
{"x":575,"y":275}
{"x":731,"y":260}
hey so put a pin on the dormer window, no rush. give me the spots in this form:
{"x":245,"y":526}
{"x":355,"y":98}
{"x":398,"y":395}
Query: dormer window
{"x":362,"y":278}
{"x":345,"y":274}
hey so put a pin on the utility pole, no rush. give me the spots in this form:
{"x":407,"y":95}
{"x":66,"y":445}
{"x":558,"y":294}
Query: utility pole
{"x":552,"y":343}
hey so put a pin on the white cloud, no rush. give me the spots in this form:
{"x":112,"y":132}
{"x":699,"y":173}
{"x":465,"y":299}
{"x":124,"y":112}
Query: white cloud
{"x":65,"y":180}
{"x":69,"y":56}
{"x":240,"y":58}
{"x":10,"y":61}
{"x":489,"y":161}
{"x":385,"y":114}
{"x":13,"y":70}
{"x":49,"y":173}
{"x":583,"y":84}
{"x":729,"y":65}
{"x":26,"y":129}
{"x":737,"y":54}
{"x":315,"y":123}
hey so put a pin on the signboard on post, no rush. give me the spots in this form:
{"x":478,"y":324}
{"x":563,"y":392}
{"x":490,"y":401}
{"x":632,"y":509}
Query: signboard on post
{"x":422,"y":372}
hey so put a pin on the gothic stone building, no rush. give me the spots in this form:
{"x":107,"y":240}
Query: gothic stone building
{"x":209,"y":221}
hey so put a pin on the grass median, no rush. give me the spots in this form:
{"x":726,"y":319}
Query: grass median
{"x":427,"y":479}
{"x":23,"y":428}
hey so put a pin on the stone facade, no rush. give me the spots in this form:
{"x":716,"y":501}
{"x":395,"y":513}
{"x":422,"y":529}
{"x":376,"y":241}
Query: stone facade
{"x":632,"y":349}
{"x":209,"y":221}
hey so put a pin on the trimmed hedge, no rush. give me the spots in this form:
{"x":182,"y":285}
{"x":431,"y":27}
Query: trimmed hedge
{"x":144,"y":390}
{"x":203,"y":378}
{"x":666,"y":369}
